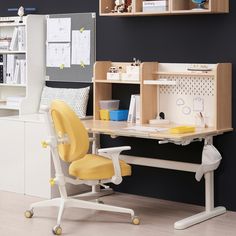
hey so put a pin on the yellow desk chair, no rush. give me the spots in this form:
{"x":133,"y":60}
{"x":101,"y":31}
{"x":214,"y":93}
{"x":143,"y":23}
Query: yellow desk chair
{"x":69,"y":140}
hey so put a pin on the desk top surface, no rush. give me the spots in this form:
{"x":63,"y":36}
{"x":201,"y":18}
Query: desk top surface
{"x":115,"y":128}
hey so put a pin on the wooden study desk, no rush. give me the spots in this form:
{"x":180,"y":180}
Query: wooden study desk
{"x":115,"y":129}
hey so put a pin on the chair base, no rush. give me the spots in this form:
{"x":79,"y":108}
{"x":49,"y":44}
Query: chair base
{"x":62,"y":204}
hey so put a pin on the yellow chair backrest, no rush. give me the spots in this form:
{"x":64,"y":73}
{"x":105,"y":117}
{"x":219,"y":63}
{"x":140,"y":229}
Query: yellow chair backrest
{"x":68,"y":124}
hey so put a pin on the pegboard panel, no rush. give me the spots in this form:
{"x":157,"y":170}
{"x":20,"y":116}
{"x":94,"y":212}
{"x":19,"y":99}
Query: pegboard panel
{"x":182,"y":103}
{"x":189,"y":85}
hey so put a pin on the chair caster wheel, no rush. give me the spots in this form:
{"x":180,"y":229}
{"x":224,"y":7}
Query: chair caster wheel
{"x":29,"y":214}
{"x":99,"y":201}
{"x":135,"y":220}
{"x":57,"y":230}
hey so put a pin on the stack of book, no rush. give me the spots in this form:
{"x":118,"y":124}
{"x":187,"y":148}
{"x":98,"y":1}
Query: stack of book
{"x":4,"y":44}
{"x":14,"y":101}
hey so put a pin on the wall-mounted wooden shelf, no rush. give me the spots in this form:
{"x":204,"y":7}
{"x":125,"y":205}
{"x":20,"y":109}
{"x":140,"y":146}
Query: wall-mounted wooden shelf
{"x":174,"y":7}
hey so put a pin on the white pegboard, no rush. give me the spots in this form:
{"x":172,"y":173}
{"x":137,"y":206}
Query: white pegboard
{"x":183,"y":102}
{"x":189,"y":85}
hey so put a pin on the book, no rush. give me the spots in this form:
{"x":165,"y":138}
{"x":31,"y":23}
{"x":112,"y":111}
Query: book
{"x":137,"y":109}
{"x":16,"y":76}
{"x":14,"y":40}
{"x":21,"y":38}
{"x":132,"y":108}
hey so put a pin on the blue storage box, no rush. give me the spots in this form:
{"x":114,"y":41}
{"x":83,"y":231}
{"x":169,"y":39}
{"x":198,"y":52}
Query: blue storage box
{"x":119,"y":115}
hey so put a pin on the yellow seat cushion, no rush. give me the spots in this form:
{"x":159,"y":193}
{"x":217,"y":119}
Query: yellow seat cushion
{"x":94,"y":167}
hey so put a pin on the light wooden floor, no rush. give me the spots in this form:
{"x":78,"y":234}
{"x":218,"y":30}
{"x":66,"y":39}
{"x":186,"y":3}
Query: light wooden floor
{"x":157,"y":219}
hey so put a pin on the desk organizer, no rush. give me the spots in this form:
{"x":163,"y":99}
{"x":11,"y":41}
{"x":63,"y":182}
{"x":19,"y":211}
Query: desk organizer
{"x":104,"y":115}
{"x":119,"y":115}
{"x":109,"y":104}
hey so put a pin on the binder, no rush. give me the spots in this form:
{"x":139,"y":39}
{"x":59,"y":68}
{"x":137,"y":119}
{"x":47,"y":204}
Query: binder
{"x":23,"y":71}
{"x":10,"y":68}
{"x":14,"y":40}
{"x":3,"y":68}
{"x":21,"y":38}
{"x":16,"y":76}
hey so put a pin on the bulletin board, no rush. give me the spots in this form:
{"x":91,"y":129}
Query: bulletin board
{"x":70,"y":47}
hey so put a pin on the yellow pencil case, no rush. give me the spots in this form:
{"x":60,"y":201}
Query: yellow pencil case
{"x":182,"y":129}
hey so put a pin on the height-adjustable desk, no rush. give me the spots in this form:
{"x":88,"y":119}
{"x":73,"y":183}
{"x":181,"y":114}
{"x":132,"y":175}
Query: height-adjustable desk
{"x":186,"y":94}
{"x":115,"y":129}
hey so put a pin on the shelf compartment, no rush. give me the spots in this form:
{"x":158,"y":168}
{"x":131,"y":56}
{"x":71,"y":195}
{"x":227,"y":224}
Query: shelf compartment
{"x":188,"y":7}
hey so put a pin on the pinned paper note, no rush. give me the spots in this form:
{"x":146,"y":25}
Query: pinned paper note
{"x":81,"y":47}
{"x":58,"y":55}
{"x":198,"y":104}
{"x":59,"y":29}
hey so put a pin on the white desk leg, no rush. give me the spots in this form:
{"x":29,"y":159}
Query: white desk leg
{"x":210,"y":210}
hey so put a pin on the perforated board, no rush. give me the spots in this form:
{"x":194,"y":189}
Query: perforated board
{"x":183,"y":102}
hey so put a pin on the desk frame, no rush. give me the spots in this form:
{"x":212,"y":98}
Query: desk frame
{"x":210,"y":210}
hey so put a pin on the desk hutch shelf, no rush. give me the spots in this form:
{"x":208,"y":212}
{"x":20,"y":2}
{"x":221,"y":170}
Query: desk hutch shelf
{"x":180,"y":90}
{"x":174,"y":7}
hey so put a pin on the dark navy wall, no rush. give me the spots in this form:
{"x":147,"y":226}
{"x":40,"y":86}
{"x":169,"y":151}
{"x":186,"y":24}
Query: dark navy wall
{"x":189,"y":38}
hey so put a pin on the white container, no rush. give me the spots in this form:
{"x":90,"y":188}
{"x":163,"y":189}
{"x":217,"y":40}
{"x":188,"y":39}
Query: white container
{"x":155,"y":6}
{"x":113,"y":76}
{"x":132,"y":70}
{"x":129,"y":77}
{"x":109,"y":104}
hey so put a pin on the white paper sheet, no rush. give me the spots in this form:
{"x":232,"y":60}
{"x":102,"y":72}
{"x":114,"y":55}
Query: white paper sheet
{"x":81,"y":47}
{"x":59,"y":29}
{"x":58,"y":55}
{"x":146,"y":129}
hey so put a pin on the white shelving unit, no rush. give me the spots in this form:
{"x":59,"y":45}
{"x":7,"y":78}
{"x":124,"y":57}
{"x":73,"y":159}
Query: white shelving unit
{"x":34,"y":54}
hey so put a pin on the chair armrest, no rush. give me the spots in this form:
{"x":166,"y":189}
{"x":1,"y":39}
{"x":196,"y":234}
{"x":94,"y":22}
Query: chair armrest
{"x":113,"y":154}
{"x":114,"y":149}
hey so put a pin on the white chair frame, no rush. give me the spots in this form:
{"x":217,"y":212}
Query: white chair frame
{"x":64,"y":201}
